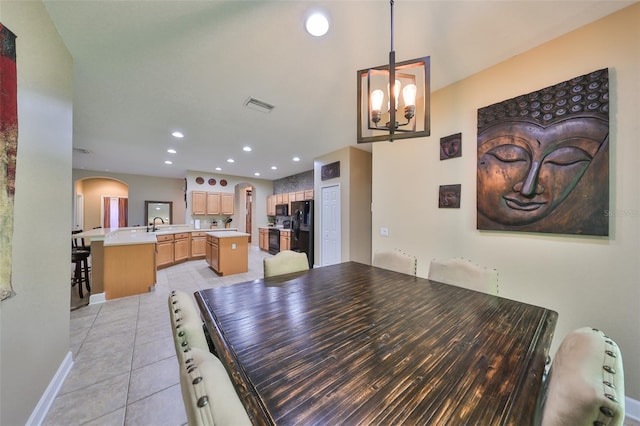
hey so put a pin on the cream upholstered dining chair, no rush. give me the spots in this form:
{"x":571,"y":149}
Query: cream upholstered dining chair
{"x":208,"y":394}
{"x":285,"y":262}
{"x":396,"y":260}
{"x":186,"y":324}
{"x":464,"y":273}
{"x":585,"y":385}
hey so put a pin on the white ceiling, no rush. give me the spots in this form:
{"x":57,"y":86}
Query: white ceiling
{"x":145,"y":68}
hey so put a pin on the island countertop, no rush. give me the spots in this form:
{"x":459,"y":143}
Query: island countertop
{"x":227,"y":234}
{"x":139,"y":235}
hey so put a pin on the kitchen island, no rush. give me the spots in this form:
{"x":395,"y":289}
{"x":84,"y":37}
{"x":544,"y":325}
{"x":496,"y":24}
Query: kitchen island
{"x":124,"y":261}
{"x":228,"y":252}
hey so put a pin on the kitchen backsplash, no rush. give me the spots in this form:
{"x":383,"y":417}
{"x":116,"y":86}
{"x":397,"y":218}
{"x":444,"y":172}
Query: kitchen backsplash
{"x":294,"y":183}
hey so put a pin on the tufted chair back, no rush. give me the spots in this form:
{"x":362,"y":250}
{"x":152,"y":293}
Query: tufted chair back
{"x":464,"y":273}
{"x":186,"y":324}
{"x":285,"y":262}
{"x":586,"y":382}
{"x":396,"y":260}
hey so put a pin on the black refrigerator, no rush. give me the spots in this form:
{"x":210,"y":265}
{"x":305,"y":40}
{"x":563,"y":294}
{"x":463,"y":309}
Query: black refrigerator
{"x":302,"y":228}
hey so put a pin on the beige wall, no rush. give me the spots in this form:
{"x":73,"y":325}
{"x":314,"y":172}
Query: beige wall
{"x":589,"y":281}
{"x":34,"y":324}
{"x":355,"y":202}
{"x":93,"y":190}
{"x":140,"y":189}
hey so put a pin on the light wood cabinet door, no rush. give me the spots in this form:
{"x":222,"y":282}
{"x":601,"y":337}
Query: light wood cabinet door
{"x":198,"y":244}
{"x":214,"y":260}
{"x":227,"y":203}
{"x":198,"y":202}
{"x":264,"y":239}
{"x":271,"y":205}
{"x":308,"y":194}
{"x":181,"y":247}
{"x":165,"y":253}
{"x":285,"y":240}
{"x":213,"y":203}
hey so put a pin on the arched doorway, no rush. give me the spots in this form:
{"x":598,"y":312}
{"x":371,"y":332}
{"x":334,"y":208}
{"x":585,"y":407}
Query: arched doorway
{"x":245,"y":211}
{"x":100,"y":202}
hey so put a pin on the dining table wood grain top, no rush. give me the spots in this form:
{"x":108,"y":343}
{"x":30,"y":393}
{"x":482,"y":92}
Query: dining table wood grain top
{"x":351,"y":344}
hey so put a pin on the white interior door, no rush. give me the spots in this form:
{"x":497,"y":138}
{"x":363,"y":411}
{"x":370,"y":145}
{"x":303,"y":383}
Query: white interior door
{"x":330,"y":248}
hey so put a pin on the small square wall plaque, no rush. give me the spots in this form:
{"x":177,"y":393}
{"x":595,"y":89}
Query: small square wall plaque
{"x":330,"y":171}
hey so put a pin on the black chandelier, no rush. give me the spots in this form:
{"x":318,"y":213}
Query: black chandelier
{"x":409,"y":79}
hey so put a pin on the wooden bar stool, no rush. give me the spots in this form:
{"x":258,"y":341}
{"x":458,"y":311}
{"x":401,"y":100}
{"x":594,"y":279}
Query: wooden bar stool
{"x":80,"y":258}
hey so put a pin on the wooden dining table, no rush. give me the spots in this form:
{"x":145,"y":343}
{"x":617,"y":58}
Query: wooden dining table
{"x":356,"y":344}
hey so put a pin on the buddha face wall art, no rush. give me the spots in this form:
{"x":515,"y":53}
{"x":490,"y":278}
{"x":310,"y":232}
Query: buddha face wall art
{"x":543,"y":160}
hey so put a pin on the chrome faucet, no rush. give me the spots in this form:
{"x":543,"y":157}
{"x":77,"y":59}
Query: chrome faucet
{"x":154,"y":229}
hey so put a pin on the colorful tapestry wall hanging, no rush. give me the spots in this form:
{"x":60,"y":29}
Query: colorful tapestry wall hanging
{"x":543,"y":160}
{"x":8,"y":151}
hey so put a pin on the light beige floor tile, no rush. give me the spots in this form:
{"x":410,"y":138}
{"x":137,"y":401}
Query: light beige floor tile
{"x":156,"y":350}
{"x":118,"y":327}
{"x":89,"y":403}
{"x":114,"y":418}
{"x":153,"y":378}
{"x":163,"y":408}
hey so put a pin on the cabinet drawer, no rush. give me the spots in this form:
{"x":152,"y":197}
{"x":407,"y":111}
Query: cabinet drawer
{"x":164,"y":237}
{"x":181,"y":235}
{"x":198,"y":234}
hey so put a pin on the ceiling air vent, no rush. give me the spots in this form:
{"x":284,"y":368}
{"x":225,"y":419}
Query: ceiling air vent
{"x":258,"y":105}
{"x":81,"y":151}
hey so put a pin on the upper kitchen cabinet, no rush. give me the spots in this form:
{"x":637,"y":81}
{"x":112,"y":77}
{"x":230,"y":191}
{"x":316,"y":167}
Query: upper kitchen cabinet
{"x":212,"y":203}
{"x":199,"y":202}
{"x":271,"y":205}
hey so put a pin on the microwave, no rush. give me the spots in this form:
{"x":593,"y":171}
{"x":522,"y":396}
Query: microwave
{"x":282,"y":210}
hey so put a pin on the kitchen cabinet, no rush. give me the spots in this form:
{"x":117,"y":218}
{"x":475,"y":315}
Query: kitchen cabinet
{"x":213,"y":253}
{"x":180,"y":247}
{"x":264,"y":239}
{"x":213,"y":203}
{"x":285,"y":240}
{"x":308,"y":194}
{"x":271,"y":205}
{"x":199,"y":202}
{"x":165,"y":250}
{"x":198,"y":244}
{"x":226,"y":202}
{"x":128,"y":269}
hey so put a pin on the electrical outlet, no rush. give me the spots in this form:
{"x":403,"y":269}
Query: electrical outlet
{"x":384,"y":232}
{"x":233,"y":246}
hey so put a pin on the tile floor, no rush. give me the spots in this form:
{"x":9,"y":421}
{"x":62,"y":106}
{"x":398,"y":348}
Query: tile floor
{"x":125,"y":369}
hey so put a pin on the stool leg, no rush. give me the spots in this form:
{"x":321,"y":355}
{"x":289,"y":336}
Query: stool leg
{"x":77,"y":279}
{"x":86,"y":274}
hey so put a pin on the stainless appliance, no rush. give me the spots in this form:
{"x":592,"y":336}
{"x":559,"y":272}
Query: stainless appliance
{"x":302,"y":228}
{"x":274,"y":241}
{"x":282,"y":209}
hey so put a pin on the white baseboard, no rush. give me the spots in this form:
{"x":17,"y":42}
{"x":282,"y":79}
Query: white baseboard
{"x":41,"y":410}
{"x":632,"y":409}
{"x":94,"y":299}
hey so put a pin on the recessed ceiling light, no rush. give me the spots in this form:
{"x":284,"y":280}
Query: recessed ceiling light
{"x":256,"y":174}
{"x":317,"y":24}
{"x":230,"y":160}
{"x":168,"y":162}
{"x":177,"y":135}
{"x":218,"y":168}
{"x":171,"y":151}
{"x":246,"y":149}
{"x":274,"y":168}
{"x":296,"y":158}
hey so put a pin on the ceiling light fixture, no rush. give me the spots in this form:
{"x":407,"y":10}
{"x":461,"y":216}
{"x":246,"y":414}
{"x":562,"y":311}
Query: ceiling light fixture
{"x":168,"y":162}
{"x":230,"y":160}
{"x":414,"y":79}
{"x":218,"y":169}
{"x":317,"y":24}
{"x":274,"y":168}
{"x":178,"y":135}
{"x":296,"y":158}
{"x":171,"y":151}
{"x":246,"y":149}
{"x":256,"y":174}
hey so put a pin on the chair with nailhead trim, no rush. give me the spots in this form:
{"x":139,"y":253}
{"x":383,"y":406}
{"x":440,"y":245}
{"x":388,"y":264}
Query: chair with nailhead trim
{"x":208,"y":394}
{"x":396,"y":260}
{"x":585,"y":385}
{"x":186,"y":324}
{"x":464,"y":273}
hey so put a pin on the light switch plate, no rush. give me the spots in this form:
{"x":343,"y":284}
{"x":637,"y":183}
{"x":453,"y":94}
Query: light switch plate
{"x":384,"y":232}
